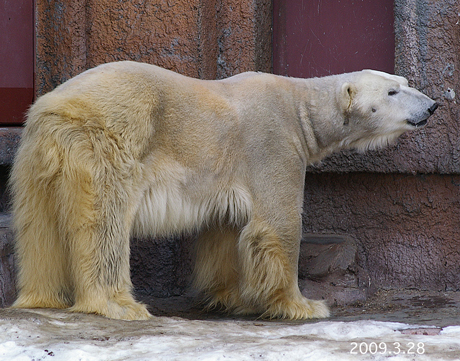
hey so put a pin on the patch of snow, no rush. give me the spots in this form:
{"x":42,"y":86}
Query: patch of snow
{"x":56,"y":335}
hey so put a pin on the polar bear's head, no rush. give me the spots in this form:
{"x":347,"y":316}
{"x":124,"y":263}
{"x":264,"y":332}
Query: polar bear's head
{"x":378,"y":107}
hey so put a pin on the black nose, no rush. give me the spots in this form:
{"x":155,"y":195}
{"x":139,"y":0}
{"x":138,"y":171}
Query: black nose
{"x":433,"y":108}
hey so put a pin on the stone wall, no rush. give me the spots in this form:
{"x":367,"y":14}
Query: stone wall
{"x":206,"y":39}
{"x":407,"y":226}
{"x":402,"y":204}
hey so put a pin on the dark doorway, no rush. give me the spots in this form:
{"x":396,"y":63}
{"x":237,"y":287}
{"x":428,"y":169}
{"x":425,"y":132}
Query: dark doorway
{"x":324,"y":37}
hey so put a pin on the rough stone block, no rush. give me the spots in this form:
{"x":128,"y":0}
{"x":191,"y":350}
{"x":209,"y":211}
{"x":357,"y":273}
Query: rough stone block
{"x":328,"y":269}
{"x":7,"y":265}
{"x":161,"y":267}
{"x":9,"y":142}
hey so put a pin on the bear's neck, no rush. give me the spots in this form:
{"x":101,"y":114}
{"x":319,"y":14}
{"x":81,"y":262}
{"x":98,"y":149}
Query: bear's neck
{"x":320,"y":117}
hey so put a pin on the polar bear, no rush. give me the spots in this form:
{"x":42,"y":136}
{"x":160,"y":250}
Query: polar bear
{"x":132,"y":149}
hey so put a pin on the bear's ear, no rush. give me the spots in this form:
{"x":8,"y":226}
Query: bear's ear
{"x":346,"y":95}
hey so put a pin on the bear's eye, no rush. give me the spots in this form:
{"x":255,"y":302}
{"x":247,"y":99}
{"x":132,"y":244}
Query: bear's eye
{"x":392,"y":92}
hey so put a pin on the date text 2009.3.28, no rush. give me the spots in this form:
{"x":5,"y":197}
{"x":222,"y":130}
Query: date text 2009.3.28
{"x":391,"y":348}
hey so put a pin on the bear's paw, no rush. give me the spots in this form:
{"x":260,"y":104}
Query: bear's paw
{"x":299,"y":308}
{"x":117,"y":310}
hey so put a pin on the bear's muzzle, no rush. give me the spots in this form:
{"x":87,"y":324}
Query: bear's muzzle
{"x":418,"y":123}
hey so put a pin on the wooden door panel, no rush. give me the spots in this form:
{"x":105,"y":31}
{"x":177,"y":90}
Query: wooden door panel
{"x":16,"y":59}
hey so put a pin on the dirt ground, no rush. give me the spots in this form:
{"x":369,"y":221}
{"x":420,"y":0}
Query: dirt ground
{"x":438,"y":309}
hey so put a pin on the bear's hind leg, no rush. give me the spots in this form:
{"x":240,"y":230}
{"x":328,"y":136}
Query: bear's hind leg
{"x":101,"y":273}
{"x":269,"y":267}
{"x":43,"y":277}
{"x":99,"y":249}
{"x":215,"y":271}
{"x":43,"y":272}
{"x":97,"y":203}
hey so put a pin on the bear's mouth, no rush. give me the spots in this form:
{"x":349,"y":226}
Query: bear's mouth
{"x":419,"y":124}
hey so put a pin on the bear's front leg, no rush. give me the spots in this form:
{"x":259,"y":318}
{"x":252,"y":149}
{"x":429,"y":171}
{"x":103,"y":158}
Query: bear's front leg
{"x":215,"y":272}
{"x":269,"y":285}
